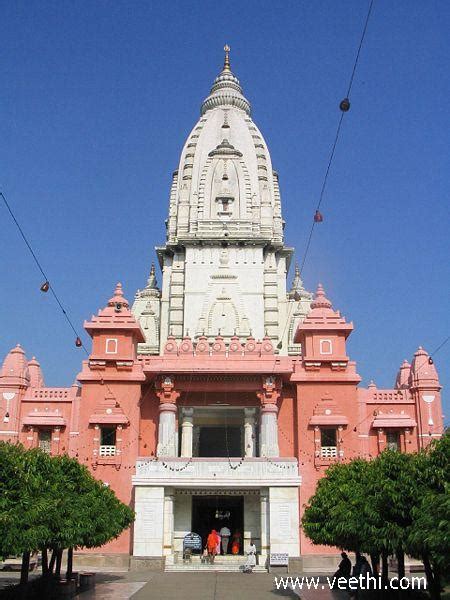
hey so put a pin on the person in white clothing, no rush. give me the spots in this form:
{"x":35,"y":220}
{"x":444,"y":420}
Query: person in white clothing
{"x":225,"y":535}
{"x":251,"y":558}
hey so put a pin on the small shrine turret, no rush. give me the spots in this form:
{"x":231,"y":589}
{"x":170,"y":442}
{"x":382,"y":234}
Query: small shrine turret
{"x":115,"y":332}
{"x":36,"y":375}
{"x":426,"y":391}
{"x":323,"y":334}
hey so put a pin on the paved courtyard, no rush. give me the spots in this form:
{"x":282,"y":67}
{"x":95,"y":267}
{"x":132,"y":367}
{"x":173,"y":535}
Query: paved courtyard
{"x":192,"y":586}
{"x":186,"y":586}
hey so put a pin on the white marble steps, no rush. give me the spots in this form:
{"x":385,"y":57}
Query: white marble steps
{"x":222,"y":564}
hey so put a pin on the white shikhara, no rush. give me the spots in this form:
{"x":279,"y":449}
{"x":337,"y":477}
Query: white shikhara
{"x":224,"y":262}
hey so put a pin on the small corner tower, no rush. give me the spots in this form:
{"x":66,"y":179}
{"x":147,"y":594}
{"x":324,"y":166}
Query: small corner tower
{"x":115,"y":334}
{"x":323,"y":335}
{"x":426,"y":391}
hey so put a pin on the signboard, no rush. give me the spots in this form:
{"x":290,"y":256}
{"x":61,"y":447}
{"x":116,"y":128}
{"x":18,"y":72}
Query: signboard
{"x":192,"y":541}
{"x":279,"y":559}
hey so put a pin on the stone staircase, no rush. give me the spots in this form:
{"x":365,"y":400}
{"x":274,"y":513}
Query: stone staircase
{"x":222,"y":564}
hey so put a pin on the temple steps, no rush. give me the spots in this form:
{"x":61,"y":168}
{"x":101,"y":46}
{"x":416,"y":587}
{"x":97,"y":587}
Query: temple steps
{"x":222,"y":564}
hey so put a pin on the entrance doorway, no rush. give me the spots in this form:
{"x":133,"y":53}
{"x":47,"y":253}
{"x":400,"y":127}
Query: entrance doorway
{"x":211,"y":512}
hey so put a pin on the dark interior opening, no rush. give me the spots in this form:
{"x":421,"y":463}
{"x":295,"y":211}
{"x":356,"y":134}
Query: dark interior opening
{"x":214,"y":441}
{"x":205,"y":512}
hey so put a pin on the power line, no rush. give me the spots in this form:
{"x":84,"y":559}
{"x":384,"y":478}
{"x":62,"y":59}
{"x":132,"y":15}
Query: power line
{"x":344,"y":107}
{"x":46,"y":285}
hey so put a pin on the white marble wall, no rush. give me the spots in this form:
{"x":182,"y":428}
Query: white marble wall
{"x":148,"y":526}
{"x":230,"y":278}
{"x":163,"y":518}
{"x":284,"y":520}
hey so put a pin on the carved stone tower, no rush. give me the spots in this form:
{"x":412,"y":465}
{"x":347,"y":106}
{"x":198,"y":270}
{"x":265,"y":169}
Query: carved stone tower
{"x":224,"y":262}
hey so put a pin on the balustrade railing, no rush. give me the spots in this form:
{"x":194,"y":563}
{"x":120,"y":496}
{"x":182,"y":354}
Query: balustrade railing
{"x":107,"y":451}
{"x":328,"y":452}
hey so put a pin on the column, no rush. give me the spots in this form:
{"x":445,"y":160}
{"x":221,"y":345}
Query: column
{"x":167,"y":437}
{"x":168,"y":521}
{"x":167,"y":429}
{"x":265,"y":526}
{"x":187,"y":418}
{"x":268,"y":396}
{"x":55,"y":440}
{"x":252,"y":521}
{"x":249,"y":431}
{"x":381,"y":444}
{"x":269,"y":431}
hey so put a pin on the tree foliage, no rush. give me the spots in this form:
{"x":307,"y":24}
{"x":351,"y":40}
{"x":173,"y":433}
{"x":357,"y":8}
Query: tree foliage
{"x":54,"y":502}
{"x":393,"y":504}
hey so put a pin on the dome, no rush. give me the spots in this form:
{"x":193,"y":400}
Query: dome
{"x":226,"y":90}
{"x":15,"y":368}
{"x":35,"y":371}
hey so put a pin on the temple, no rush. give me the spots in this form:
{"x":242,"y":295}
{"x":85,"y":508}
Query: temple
{"x":222,"y":396}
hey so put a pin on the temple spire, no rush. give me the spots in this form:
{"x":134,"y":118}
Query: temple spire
{"x":297,"y":291}
{"x":151,"y":281}
{"x":226,"y":63}
{"x":320,"y":300}
{"x":226,"y":90}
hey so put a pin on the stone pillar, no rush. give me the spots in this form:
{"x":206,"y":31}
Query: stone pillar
{"x":265,"y":526}
{"x":167,"y":438}
{"x":55,"y":440}
{"x":249,"y":431}
{"x":268,"y":396}
{"x":381,"y":441}
{"x":252,"y":521}
{"x":269,"y":431}
{"x":168,"y":521}
{"x":167,"y":428}
{"x":187,"y":417}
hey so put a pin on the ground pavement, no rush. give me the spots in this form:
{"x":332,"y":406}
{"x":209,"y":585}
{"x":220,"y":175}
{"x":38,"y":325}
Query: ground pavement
{"x":195,"y":586}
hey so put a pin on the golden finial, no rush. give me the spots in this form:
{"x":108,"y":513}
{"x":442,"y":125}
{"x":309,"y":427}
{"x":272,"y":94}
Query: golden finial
{"x":226,"y":64}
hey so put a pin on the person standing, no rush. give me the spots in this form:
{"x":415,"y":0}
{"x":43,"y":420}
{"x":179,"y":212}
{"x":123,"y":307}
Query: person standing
{"x":225,"y":535}
{"x":218,"y":543}
{"x":251,"y":558}
{"x":236,"y":542}
{"x":211,"y":545}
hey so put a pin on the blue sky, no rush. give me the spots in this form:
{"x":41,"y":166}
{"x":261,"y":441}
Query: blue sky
{"x":98,"y":97}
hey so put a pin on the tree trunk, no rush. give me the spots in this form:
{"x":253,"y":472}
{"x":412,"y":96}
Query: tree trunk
{"x":44,"y":562}
{"x":52,"y":562}
{"x":429,"y":574}
{"x":375,"y":560}
{"x":25,"y":567}
{"x":69,"y":563}
{"x":385,"y":569}
{"x":59,"y":554}
{"x":437,"y":582}
{"x":401,"y":563}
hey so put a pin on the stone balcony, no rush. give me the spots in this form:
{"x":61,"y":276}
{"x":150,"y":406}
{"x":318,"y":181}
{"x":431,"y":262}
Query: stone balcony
{"x":217,"y":472}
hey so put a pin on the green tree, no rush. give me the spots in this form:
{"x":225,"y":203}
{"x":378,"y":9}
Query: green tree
{"x":393,"y":490}
{"x":393,"y":504}
{"x":24,"y":502}
{"x":53,"y":503}
{"x":334,"y":514}
{"x":429,"y":535}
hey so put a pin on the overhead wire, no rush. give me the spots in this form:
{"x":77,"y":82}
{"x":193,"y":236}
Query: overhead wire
{"x":344,"y":107}
{"x":46,"y":285}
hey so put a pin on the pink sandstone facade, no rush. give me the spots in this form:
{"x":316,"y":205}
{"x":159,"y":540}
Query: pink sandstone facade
{"x":186,"y":426}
